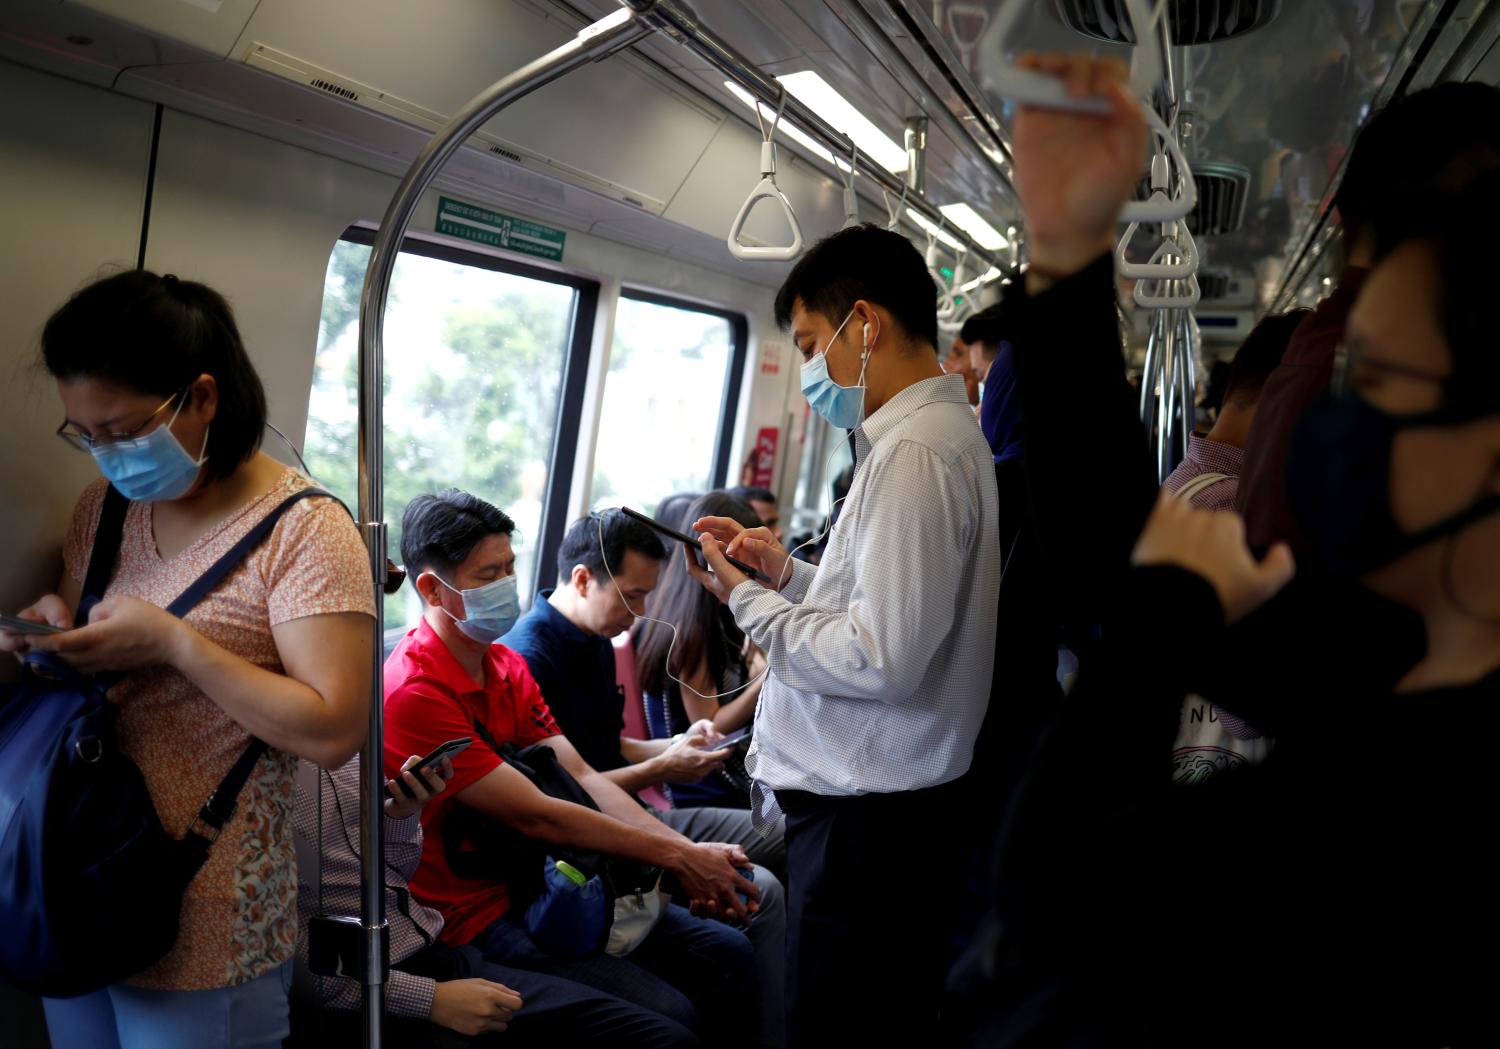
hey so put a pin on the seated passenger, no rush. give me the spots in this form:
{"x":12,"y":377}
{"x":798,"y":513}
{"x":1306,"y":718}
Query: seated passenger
{"x":1209,"y":476}
{"x":957,"y":362}
{"x":437,"y":995}
{"x":717,"y":665}
{"x":157,"y":387}
{"x":763,"y":502}
{"x":670,"y":511}
{"x":1348,"y":896}
{"x":564,"y":640}
{"x":448,"y":679}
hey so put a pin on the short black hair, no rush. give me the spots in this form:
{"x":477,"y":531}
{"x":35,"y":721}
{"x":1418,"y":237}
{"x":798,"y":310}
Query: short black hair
{"x":1462,"y":229}
{"x":621,"y":533}
{"x":989,"y":326}
{"x":749,"y":493}
{"x":155,"y":335}
{"x":1423,"y":144}
{"x":863,"y":262}
{"x":1259,"y":355}
{"x":439,"y":532}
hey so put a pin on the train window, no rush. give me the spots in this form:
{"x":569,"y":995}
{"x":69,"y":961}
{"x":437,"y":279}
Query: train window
{"x":477,"y":355}
{"x":670,"y":399}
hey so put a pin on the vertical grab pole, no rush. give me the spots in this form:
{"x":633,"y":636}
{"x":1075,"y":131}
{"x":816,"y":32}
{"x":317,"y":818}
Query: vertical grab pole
{"x":618,"y":29}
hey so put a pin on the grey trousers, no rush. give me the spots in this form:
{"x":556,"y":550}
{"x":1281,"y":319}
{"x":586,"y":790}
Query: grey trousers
{"x":767,"y":929}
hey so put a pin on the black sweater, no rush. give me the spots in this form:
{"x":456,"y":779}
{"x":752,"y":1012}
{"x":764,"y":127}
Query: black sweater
{"x":1338,"y":892}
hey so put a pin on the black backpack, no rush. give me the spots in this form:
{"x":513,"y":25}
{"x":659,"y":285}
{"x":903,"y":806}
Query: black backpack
{"x":91,"y":883}
{"x":479,"y":847}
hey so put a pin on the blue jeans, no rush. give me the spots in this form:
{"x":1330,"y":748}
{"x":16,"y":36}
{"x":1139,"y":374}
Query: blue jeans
{"x":696,"y":971}
{"x":250,"y":1015}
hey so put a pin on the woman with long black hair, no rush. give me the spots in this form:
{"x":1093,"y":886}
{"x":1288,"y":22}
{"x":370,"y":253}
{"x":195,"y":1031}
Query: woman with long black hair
{"x":700,"y":669}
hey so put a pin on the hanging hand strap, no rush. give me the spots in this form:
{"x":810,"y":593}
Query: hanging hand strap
{"x":893,"y":216}
{"x":1176,"y":258}
{"x":1031,"y":88}
{"x":851,"y":201}
{"x":766,"y":188}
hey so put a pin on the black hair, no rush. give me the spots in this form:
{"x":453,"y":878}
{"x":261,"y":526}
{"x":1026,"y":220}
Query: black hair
{"x":989,"y":326}
{"x":1461,"y":228}
{"x":155,"y":335}
{"x":1427,"y":143}
{"x":581,"y":545}
{"x":749,"y":493}
{"x":1259,"y":355}
{"x":706,"y":634}
{"x":863,"y":262}
{"x":672,"y":511}
{"x":439,"y":532}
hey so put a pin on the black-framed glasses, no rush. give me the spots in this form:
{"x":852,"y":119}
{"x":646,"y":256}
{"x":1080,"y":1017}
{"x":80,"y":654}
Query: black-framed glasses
{"x":84,"y":443}
{"x":1346,"y":361}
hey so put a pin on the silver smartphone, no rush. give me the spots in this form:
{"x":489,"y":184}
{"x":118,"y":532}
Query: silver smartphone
{"x":27,"y":626}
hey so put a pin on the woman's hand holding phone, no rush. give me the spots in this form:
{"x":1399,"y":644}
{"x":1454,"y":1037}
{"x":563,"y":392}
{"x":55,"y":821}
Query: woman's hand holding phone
{"x":51,"y":610}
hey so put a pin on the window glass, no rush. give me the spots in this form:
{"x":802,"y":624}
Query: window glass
{"x":664,"y":400}
{"x":474,"y":360}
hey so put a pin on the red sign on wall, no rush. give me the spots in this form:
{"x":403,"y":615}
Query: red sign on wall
{"x":765,"y":456}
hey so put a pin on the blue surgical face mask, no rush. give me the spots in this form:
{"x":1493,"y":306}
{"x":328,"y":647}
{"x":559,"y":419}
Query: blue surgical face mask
{"x":490,"y":610}
{"x":842,"y":406}
{"x":154,"y":468}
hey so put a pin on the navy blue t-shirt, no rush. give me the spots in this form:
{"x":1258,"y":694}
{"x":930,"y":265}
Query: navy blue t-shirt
{"x":576,"y":673}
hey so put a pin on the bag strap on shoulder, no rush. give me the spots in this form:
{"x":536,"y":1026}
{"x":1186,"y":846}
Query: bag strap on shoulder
{"x":105,"y":552}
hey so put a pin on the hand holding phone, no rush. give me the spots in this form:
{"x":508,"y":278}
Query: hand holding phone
{"x":687,"y":540}
{"x":29,"y":627}
{"x":420,"y":779}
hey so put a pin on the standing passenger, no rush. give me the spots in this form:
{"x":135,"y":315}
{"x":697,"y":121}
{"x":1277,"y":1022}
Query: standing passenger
{"x":880,"y":656}
{"x":156,"y":384}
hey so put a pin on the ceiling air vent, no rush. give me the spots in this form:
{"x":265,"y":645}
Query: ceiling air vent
{"x":511,"y":155}
{"x":1223,"y":190}
{"x":335,"y":89}
{"x":1213,"y":285}
{"x":1191,"y":21}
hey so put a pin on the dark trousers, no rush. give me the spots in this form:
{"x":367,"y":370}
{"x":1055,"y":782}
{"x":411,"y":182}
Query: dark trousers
{"x":555,"y":1012}
{"x":870,"y":885}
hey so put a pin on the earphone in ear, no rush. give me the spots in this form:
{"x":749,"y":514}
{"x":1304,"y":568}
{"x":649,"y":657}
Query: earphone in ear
{"x":867,"y":334}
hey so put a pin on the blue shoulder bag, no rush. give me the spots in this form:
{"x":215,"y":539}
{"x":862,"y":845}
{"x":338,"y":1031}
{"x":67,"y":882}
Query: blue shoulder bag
{"x":91,"y":883}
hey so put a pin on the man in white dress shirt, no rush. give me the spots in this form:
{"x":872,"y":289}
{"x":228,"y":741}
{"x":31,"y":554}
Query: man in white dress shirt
{"x":880,"y":657}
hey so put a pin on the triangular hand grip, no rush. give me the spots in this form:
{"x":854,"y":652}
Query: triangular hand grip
{"x":1187,"y":298}
{"x":1181,"y":245}
{"x":765,"y":188}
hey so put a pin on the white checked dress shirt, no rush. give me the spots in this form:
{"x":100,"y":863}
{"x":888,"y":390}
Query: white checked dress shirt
{"x":881,"y":656}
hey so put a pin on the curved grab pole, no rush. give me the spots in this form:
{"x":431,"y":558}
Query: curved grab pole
{"x":1029,"y":87}
{"x":766,"y":188}
{"x":618,"y":29}
{"x":1175,"y":258}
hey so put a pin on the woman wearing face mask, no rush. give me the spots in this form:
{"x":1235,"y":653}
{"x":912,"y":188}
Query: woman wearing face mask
{"x":687,"y":668}
{"x":156,"y":385}
{"x":1340,"y":889}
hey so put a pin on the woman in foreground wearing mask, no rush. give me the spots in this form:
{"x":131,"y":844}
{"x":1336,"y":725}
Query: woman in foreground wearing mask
{"x":156,"y":385}
{"x":1341,"y":889}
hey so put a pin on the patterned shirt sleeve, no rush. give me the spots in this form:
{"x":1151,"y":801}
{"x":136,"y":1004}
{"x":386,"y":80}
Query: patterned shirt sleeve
{"x":317,"y":564}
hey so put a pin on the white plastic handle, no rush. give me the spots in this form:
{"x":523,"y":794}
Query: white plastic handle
{"x":1188,"y":297}
{"x":765,"y":188}
{"x":1180,"y":244}
{"x":1031,"y":88}
{"x":1160,"y":207}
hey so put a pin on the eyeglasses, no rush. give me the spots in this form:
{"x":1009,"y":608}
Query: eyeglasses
{"x":84,"y":443}
{"x":1347,"y":361}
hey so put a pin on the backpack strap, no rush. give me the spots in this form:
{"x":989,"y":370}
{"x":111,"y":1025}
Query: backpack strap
{"x":106,"y":551}
{"x":1201,"y":483}
{"x":219,"y":807}
{"x":236,"y":553}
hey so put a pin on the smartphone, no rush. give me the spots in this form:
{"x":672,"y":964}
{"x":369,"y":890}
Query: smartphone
{"x":734,"y":739}
{"x":26,"y":626}
{"x":672,"y":533}
{"x":441,"y":751}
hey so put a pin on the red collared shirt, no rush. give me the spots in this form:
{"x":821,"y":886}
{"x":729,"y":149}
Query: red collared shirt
{"x":429,"y":699}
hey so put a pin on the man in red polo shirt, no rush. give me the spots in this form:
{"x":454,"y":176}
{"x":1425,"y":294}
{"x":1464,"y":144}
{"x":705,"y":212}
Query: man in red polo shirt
{"x":447,"y":674}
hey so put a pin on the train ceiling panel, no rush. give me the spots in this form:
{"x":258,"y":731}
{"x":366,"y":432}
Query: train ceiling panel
{"x":213,"y":25}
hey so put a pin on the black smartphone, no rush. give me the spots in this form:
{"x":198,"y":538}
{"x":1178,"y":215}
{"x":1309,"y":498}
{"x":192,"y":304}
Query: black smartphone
{"x":672,"y":533}
{"x":26,"y":626}
{"x":441,"y":751}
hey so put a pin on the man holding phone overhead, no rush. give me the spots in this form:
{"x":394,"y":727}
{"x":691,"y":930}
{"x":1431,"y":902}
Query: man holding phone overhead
{"x":881,"y":656}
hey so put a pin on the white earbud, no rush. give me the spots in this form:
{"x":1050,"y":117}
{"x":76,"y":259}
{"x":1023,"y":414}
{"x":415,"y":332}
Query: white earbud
{"x":867,"y":335}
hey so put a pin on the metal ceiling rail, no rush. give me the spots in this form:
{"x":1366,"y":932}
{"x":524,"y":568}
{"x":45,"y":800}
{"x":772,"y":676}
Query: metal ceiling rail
{"x":604,"y":37}
{"x":675,"y":20}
